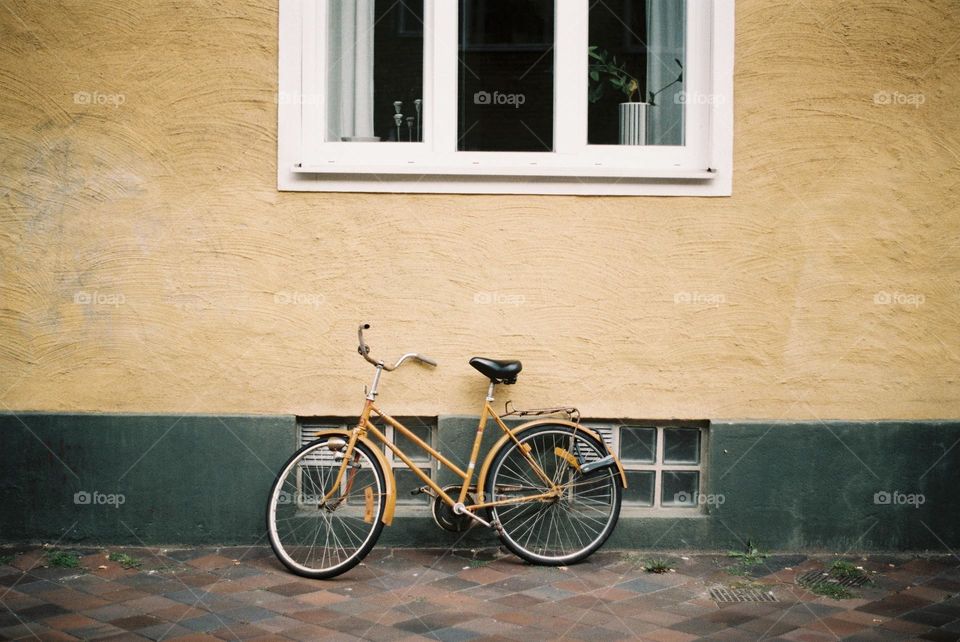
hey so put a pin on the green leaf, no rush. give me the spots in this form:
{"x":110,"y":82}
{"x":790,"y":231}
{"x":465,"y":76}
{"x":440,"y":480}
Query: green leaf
{"x":594,"y":76}
{"x":596,"y":93}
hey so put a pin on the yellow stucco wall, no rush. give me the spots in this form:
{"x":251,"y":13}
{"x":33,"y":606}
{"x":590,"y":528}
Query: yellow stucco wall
{"x":213,"y":292}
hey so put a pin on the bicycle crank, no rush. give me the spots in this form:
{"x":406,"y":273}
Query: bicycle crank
{"x":460,"y":509}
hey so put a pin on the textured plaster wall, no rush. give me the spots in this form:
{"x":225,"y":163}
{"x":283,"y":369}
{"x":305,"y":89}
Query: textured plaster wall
{"x":154,"y":194}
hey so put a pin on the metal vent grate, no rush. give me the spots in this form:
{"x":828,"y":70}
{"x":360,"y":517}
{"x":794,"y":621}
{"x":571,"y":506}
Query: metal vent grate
{"x":817,"y":577}
{"x":724,"y":595}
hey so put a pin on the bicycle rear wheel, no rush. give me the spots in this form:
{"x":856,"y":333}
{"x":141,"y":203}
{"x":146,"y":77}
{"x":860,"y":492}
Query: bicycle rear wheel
{"x":319,"y":538}
{"x":564,"y":529}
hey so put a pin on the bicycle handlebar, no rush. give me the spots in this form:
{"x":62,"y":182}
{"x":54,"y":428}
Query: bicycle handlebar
{"x":364,"y":351}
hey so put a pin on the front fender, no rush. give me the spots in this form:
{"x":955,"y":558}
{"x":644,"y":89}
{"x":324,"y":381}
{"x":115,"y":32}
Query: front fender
{"x":387,"y":471}
{"x":484,"y":469}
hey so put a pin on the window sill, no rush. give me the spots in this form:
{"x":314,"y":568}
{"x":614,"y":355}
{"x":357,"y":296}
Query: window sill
{"x":547,"y":171}
{"x":535,"y":180}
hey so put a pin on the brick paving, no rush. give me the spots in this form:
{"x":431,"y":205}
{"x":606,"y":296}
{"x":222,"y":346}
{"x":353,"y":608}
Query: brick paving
{"x":411,"y":594}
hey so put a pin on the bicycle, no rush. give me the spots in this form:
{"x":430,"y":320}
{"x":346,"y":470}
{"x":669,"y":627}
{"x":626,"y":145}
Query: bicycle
{"x":550,"y":487}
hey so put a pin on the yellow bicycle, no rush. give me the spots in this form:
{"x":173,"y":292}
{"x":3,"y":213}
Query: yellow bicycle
{"x":550,"y":487}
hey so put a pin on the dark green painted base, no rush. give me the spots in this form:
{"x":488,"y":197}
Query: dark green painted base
{"x":157,"y":479}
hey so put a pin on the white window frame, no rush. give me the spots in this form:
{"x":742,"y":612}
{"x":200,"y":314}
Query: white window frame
{"x":703,"y":167}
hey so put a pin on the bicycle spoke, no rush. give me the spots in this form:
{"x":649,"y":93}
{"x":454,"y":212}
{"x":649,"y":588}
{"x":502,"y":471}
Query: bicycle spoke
{"x":314,"y":536}
{"x":567,"y":526}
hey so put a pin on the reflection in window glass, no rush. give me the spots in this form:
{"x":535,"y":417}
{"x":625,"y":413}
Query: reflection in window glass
{"x":408,"y":481}
{"x":410,"y":449}
{"x":680,"y":488}
{"x":638,"y":444}
{"x":636,"y":60}
{"x":506,"y":75}
{"x":375,"y":70}
{"x":639,"y":490}
{"x":681,"y":446}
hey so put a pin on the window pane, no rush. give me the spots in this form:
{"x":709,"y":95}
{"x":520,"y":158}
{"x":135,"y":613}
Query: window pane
{"x":363,"y":478}
{"x":420,"y":429}
{"x":506,"y":75}
{"x":636,"y":87}
{"x":680,"y":488}
{"x":638,"y":444}
{"x":407,"y":481}
{"x":681,"y":446}
{"x":375,"y":70}
{"x":639,"y":490}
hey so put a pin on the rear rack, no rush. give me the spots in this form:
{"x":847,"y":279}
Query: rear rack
{"x":566,"y":412}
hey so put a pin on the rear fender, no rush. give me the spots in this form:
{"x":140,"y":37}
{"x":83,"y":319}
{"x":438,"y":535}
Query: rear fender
{"x":485,"y":468}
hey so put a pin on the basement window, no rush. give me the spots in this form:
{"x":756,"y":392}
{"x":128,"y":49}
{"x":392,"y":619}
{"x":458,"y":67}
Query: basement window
{"x":423,"y":427}
{"x":664,"y":465}
{"x":407,"y":481}
{"x":506,"y":96}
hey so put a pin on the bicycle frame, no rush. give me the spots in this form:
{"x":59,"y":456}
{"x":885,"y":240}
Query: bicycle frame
{"x":365,"y":426}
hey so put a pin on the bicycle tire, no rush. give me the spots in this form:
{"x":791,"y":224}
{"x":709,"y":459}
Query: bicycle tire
{"x":299,"y":521}
{"x":588,"y":510}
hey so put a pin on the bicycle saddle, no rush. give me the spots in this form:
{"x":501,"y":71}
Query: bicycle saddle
{"x":498,"y":370}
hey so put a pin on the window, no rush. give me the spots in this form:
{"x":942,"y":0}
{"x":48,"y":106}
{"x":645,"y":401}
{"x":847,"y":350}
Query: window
{"x":506,"y":96}
{"x":664,"y":465}
{"x":407,"y":480}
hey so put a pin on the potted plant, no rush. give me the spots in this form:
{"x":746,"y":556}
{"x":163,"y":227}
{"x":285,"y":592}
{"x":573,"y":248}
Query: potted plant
{"x":604,"y":69}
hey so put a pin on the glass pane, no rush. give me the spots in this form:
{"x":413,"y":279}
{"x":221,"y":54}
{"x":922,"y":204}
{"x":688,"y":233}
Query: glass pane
{"x":375,"y":70}
{"x":407,"y":481}
{"x":639,"y":490}
{"x":681,"y":446}
{"x":638,"y":444}
{"x":364,"y":477}
{"x":680,"y":488}
{"x":420,"y":429}
{"x":636,"y":86}
{"x":506,"y":76}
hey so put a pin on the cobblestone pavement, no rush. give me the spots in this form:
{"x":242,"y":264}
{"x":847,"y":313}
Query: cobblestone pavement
{"x":410,"y":594}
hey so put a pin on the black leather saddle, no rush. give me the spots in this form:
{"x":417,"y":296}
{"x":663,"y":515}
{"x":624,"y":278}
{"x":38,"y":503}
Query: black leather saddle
{"x":498,"y":370}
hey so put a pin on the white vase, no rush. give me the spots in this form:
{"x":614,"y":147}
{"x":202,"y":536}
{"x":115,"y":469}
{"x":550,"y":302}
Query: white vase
{"x":633,"y":123}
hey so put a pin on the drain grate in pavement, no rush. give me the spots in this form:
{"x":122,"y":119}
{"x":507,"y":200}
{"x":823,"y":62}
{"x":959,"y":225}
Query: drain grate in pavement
{"x":817,"y":577}
{"x":722,"y":594}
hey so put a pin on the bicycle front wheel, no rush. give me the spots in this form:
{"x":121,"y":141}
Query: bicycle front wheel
{"x":563,"y":529}
{"x":318,"y":536}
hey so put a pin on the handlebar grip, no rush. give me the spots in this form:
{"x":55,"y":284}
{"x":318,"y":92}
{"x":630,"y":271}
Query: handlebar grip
{"x":363,"y":348}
